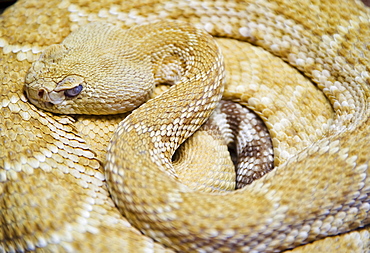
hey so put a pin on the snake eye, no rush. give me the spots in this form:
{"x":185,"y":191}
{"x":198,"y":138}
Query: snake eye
{"x":73,"y":92}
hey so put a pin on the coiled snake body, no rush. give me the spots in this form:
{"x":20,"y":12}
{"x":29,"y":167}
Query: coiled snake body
{"x":53,"y":195}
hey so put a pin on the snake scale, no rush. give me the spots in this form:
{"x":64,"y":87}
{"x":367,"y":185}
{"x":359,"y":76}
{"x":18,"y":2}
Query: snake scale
{"x":53,"y":191}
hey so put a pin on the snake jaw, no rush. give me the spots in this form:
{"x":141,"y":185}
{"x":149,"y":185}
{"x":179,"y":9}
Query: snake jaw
{"x":42,"y":96}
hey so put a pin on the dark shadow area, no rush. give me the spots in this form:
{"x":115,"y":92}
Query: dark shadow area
{"x":5,"y":3}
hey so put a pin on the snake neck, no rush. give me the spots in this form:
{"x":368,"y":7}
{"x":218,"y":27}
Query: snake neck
{"x":163,"y":123}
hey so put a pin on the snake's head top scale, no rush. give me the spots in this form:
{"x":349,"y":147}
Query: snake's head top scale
{"x":78,"y":75}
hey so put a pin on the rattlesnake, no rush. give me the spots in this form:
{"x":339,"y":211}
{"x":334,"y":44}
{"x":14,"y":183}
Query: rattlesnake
{"x":53,"y":193}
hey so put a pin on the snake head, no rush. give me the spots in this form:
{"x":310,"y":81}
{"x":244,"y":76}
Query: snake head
{"x":91,"y":72}
{"x":47,"y":91}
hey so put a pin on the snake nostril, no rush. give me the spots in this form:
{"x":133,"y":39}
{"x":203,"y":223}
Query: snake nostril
{"x":41,"y":93}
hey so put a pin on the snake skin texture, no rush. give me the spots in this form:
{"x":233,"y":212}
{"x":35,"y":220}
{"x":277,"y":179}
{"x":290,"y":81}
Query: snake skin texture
{"x":301,"y":66}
